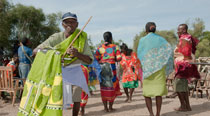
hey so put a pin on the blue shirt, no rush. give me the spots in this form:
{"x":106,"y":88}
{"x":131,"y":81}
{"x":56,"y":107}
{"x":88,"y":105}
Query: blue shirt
{"x":21,"y":55}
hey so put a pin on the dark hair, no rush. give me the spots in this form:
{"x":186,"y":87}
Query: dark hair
{"x":185,"y":26}
{"x":108,"y":37}
{"x":150,"y":27}
{"x":124,"y":47}
{"x":15,"y":55}
{"x":129,"y":51}
{"x":24,"y":41}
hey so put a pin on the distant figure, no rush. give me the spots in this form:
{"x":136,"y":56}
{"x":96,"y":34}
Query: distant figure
{"x":24,"y":55}
{"x":14,"y":65}
{"x":155,"y":54}
{"x":107,"y":55}
{"x":184,"y":55}
{"x":131,"y":71}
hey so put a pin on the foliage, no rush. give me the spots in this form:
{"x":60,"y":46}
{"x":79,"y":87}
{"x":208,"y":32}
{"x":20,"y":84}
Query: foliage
{"x":4,"y":22}
{"x":203,"y":48}
{"x":33,"y":23}
{"x":18,"y":21}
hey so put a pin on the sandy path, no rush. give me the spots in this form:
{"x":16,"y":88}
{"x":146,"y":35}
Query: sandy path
{"x":200,"y":107}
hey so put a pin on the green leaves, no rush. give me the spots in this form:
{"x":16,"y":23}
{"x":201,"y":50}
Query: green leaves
{"x":18,"y":21}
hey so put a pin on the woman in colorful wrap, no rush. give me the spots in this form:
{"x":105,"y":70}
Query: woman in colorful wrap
{"x":155,"y":54}
{"x":43,"y":90}
{"x":131,"y":71}
{"x":184,"y":55}
{"x":107,"y":55}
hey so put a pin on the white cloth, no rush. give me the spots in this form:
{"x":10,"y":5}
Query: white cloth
{"x":72,"y":75}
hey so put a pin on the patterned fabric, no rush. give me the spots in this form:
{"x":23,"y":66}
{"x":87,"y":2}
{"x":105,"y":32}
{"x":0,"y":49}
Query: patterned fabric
{"x":97,"y":68}
{"x":12,"y":65}
{"x":183,"y":68}
{"x":92,"y":79}
{"x":54,"y":41}
{"x":84,"y":96}
{"x":155,"y":52}
{"x":131,"y":70}
{"x":190,"y":45}
{"x":109,"y":53}
{"x":42,"y":94}
{"x":21,"y":55}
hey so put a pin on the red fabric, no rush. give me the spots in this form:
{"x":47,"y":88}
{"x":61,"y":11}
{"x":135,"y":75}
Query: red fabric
{"x":84,"y":96}
{"x":131,"y":68}
{"x":186,"y":70}
{"x":108,"y":94}
{"x":10,"y":64}
{"x":187,"y":47}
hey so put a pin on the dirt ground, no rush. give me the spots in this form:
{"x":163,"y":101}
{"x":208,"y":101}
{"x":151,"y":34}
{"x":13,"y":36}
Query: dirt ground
{"x":200,"y":106}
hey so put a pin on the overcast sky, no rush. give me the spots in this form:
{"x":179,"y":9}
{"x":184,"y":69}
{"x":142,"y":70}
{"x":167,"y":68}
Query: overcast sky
{"x":126,"y":18}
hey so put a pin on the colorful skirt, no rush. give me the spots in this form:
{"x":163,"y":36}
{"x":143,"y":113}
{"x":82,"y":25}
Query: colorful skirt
{"x":155,"y":84}
{"x":110,"y":87}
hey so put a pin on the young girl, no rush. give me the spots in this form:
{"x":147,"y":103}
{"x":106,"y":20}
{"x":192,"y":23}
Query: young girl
{"x":131,"y":71}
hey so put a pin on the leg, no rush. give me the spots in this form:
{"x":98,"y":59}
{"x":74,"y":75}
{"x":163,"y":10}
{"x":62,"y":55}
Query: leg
{"x":187,"y":102}
{"x":111,"y":106}
{"x":131,"y":93}
{"x":127,"y":95}
{"x":14,"y":98}
{"x":148,"y":101}
{"x":105,"y":106}
{"x":76,"y":108}
{"x":158,"y":104}
{"x":182,"y":102}
{"x":82,"y":111}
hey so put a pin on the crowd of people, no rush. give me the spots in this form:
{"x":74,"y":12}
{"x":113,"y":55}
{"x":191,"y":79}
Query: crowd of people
{"x":154,"y":60}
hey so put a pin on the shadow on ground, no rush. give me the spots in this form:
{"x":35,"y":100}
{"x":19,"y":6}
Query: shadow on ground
{"x":196,"y":109}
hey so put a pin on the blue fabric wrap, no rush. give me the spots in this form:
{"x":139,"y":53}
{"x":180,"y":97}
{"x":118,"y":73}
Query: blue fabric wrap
{"x":155,"y":52}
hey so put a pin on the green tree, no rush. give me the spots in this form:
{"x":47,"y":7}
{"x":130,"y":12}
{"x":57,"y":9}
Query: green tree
{"x":197,"y":28}
{"x":27,"y":21}
{"x":5,"y":23}
{"x":92,"y":47}
{"x":203,"y":48}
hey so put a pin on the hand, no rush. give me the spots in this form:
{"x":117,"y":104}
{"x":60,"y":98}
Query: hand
{"x":73,"y":52}
{"x":67,"y":31}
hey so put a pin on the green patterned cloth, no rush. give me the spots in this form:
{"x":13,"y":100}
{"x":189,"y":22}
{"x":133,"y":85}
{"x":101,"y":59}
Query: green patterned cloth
{"x":130,"y":84}
{"x":43,"y":94}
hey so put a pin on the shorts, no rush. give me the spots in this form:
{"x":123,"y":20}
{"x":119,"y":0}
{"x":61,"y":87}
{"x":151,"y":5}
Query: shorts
{"x":76,"y":93}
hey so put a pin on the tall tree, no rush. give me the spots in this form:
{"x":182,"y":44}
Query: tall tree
{"x":5,"y":23}
{"x":197,"y":28}
{"x":33,"y":23}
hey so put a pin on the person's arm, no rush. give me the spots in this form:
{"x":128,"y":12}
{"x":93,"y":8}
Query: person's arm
{"x":52,"y":41}
{"x":86,"y":56}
